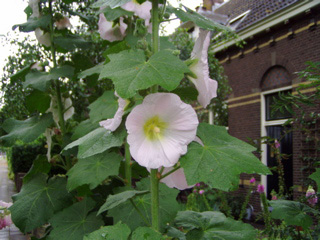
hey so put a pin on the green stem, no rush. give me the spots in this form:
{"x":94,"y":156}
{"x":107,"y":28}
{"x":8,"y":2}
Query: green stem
{"x":155,"y":199}
{"x":140,"y":213}
{"x":155,"y":33}
{"x":168,"y":173}
{"x":127,"y":169}
{"x":57,"y":83}
{"x":206,"y":203}
{"x":245,"y":204}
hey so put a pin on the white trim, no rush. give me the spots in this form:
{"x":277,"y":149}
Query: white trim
{"x":281,"y":16}
{"x":265,"y":124}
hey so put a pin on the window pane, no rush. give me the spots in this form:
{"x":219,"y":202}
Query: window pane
{"x":275,"y":115}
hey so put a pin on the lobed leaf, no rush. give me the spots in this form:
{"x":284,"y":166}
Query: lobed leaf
{"x":118,"y":231}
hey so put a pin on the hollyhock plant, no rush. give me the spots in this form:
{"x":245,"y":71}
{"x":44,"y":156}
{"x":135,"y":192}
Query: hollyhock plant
{"x":110,"y":32}
{"x":260,"y":188}
{"x":141,"y":10}
{"x":160,"y":129}
{"x":5,"y":221}
{"x":34,"y":5}
{"x":201,"y":191}
{"x":113,"y":123}
{"x":311,"y":196}
{"x":177,"y":179}
{"x":206,"y":87}
{"x":63,"y":23}
{"x":42,"y":37}
{"x":276,"y":144}
{"x":69,"y":110}
{"x":252,"y":180}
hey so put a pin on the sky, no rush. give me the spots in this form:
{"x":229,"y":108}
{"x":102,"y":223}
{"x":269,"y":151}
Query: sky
{"x":12,"y":12}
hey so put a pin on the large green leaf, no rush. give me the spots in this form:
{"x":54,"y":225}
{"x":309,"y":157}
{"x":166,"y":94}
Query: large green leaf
{"x":113,"y":14}
{"x":119,"y":231}
{"x":198,"y":19}
{"x":316,"y":177}
{"x":71,"y":42}
{"x":221,"y":160}
{"x":33,"y":23}
{"x":38,"y":101}
{"x":293,"y":213}
{"x":111,"y":3}
{"x":130,"y":71}
{"x":168,"y":206}
{"x":75,"y":221}
{"x":41,"y":80}
{"x":83,"y":129}
{"x":40,"y":165}
{"x":27,"y":130}
{"x":38,"y":200}
{"x":21,"y":73}
{"x":104,"y":107}
{"x":146,"y":233}
{"x":213,"y":225}
{"x":91,"y":71}
{"x":117,"y":199}
{"x":97,"y":141}
{"x":93,"y":170}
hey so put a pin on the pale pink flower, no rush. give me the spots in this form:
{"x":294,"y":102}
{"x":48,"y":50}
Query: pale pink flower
{"x":176,"y":179}
{"x":141,"y":10}
{"x":260,"y":188}
{"x":311,"y":196}
{"x":109,"y":32}
{"x":206,"y":87}
{"x":5,"y":221}
{"x":69,"y":110}
{"x":63,"y":23}
{"x":252,"y":180}
{"x":42,"y":37}
{"x":198,"y":185}
{"x":5,"y":204}
{"x":201,"y":192}
{"x":160,"y":129}
{"x":276,"y":144}
{"x":37,"y":66}
{"x":113,"y":123}
{"x":34,"y":5}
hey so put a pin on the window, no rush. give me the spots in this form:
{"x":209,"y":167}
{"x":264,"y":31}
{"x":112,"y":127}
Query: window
{"x":270,"y":102}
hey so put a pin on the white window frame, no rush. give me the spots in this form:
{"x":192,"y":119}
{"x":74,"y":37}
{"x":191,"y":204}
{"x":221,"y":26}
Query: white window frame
{"x":265,"y":124}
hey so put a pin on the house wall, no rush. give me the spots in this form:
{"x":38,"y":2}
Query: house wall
{"x":245,"y":69}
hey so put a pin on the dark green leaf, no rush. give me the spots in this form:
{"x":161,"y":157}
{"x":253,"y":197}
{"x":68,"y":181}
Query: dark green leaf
{"x":293,"y":213}
{"x":83,"y":129}
{"x":168,"y":208}
{"x":38,"y":101}
{"x":104,"y":107}
{"x":21,"y":73}
{"x":93,"y":170}
{"x":113,"y":14}
{"x":186,"y":93}
{"x":116,"y":48}
{"x":27,"y":130}
{"x":213,"y":225}
{"x":88,"y":72}
{"x":316,"y":177}
{"x":33,"y":23}
{"x":146,"y":233}
{"x":111,"y":3}
{"x":130,"y":71}
{"x":119,"y":231}
{"x":165,"y":44}
{"x":38,"y":200}
{"x":75,"y":221}
{"x":97,"y":141}
{"x":71,"y":42}
{"x":117,"y":199}
{"x":221,"y":160}
{"x":40,"y":165}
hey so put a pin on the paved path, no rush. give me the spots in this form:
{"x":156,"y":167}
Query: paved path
{"x":7,"y":189}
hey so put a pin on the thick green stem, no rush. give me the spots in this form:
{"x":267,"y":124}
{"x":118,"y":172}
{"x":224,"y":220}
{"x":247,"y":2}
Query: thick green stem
{"x":56,"y":83}
{"x":155,"y":33}
{"x":127,"y":169}
{"x":139,"y":212}
{"x":155,"y":199}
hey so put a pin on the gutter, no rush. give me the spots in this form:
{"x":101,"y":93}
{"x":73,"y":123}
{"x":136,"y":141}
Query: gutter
{"x":269,"y":22}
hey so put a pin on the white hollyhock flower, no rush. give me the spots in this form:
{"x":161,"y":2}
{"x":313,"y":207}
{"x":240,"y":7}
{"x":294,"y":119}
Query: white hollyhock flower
{"x":48,"y":134}
{"x":42,"y":37}
{"x":177,"y":179}
{"x":63,"y":23}
{"x":69,"y":110}
{"x":34,"y":5}
{"x":206,"y":87}
{"x":141,"y":10}
{"x":160,"y":129}
{"x":109,"y":32}
{"x":113,"y":123}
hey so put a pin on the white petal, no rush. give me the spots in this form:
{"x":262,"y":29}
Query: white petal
{"x":43,"y":38}
{"x":109,"y":33}
{"x":176,"y":179}
{"x":70,"y":110}
{"x":143,"y":10}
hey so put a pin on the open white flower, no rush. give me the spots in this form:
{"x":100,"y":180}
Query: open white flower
{"x":69,"y":110}
{"x":176,"y":179}
{"x":109,"y":32}
{"x":160,"y":129}
{"x":206,"y":87}
{"x":113,"y":123}
{"x":141,"y":10}
{"x":42,"y":37}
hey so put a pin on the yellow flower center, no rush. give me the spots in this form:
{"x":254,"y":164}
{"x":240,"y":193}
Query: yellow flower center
{"x":154,"y":128}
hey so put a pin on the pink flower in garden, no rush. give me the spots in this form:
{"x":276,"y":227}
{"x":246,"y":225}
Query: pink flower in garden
{"x":160,"y":129}
{"x":276,"y":144}
{"x":252,"y":180}
{"x":5,"y":204}
{"x":198,"y":185}
{"x":176,"y":179}
{"x":113,"y":123}
{"x":201,"y":192}
{"x":110,"y":32}
{"x":260,"y":188}
{"x":141,"y":10}
{"x":274,"y":197}
{"x":5,"y":221}
{"x":63,"y":23}
{"x":206,"y":87}
{"x":311,"y":196}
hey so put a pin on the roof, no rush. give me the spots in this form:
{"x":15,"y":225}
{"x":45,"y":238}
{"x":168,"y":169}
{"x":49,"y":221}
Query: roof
{"x":257,"y":10}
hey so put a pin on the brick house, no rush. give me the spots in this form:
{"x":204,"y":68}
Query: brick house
{"x":280,"y":35}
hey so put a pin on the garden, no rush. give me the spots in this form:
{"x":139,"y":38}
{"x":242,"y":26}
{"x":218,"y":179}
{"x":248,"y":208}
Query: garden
{"x":105,"y":127}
